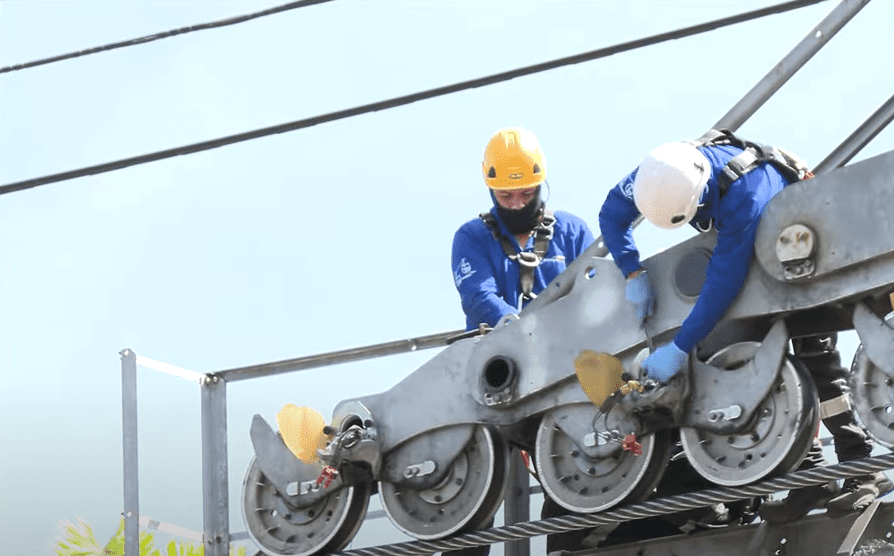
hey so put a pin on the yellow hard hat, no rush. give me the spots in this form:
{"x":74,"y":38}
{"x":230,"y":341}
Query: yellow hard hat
{"x":513,"y":160}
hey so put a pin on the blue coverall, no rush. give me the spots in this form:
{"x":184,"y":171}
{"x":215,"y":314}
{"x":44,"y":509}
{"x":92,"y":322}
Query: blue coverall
{"x":488,"y":282}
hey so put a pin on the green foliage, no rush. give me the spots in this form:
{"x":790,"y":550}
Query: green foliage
{"x":78,"y":540}
{"x":184,"y":549}
{"x":189,"y":549}
{"x":115,"y":546}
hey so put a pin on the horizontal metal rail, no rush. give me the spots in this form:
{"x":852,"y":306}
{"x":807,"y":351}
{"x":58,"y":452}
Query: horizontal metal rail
{"x":337,"y":357}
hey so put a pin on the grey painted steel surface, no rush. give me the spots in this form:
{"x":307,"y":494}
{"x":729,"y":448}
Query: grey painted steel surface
{"x":517,"y":503}
{"x":130,"y":450}
{"x":861,"y":136}
{"x":851,"y":228}
{"x":215,"y":489}
{"x":793,"y":61}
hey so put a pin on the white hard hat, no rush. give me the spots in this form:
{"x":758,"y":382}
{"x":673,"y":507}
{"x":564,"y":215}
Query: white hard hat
{"x":669,"y":184}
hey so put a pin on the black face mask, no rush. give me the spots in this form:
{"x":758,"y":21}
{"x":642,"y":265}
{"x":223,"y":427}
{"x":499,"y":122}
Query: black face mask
{"x":524,"y":219}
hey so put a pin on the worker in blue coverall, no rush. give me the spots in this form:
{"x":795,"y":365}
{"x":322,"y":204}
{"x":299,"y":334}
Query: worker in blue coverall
{"x":679,"y":183}
{"x":487,"y":279}
{"x":489,"y":253}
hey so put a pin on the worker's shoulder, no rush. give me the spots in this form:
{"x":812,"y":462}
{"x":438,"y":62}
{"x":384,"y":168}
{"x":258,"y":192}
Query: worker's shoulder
{"x":567,"y":220}
{"x":719,"y":155}
{"x":474,"y":226}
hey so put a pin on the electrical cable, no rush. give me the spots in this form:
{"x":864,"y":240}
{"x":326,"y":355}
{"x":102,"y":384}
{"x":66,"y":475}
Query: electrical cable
{"x":406,"y":99}
{"x":164,"y":35}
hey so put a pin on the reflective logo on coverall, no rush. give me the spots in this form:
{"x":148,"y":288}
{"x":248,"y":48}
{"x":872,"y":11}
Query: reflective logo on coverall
{"x":463,"y":271}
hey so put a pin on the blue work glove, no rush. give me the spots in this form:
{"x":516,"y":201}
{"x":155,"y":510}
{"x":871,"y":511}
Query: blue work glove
{"x":664,"y":362}
{"x":639,"y":293}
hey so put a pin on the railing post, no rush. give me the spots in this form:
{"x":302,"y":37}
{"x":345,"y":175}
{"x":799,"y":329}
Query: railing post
{"x":130,"y":446}
{"x":215,"y":490}
{"x":517,"y":503}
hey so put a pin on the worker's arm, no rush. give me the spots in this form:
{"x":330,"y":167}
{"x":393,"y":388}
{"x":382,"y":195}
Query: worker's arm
{"x":726,"y":271}
{"x":616,"y":224}
{"x":476,"y":279}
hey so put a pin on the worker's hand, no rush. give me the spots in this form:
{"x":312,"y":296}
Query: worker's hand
{"x":639,"y":293}
{"x":664,"y":362}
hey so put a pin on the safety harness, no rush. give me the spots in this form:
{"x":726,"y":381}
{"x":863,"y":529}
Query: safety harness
{"x":752,"y":155}
{"x":527,"y":261}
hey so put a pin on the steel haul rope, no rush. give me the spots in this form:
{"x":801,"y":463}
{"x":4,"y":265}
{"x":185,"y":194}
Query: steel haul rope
{"x":649,"y":508}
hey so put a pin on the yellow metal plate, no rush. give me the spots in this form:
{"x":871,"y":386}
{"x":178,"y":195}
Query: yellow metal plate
{"x":302,"y":431}
{"x":599,"y":374}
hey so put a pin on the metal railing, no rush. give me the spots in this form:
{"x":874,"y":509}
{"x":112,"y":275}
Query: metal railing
{"x":213,"y":391}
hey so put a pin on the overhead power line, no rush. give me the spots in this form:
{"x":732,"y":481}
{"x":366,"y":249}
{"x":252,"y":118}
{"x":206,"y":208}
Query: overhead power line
{"x":164,"y":35}
{"x":407,"y":99}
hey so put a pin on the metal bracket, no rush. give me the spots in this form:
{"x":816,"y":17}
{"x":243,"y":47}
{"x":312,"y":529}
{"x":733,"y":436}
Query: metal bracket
{"x":716,"y":388}
{"x":794,"y":249}
{"x":725,"y":413}
{"x":857,"y":529}
{"x":420,"y":469}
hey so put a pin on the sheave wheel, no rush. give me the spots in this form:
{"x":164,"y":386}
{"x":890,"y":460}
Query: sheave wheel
{"x":872,"y":392}
{"x":779,"y":436}
{"x":467,"y":497}
{"x":584,"y":484}
{"x":281,"y":529}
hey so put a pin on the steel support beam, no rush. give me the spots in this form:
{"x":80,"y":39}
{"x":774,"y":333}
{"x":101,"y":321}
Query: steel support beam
{"x":861,"y":136}
{"x":130,"y":452}
{"x":215,"y":489}
{"x":776,"y":78}
{"x":791,"y":63}
{"x":517,"y":503}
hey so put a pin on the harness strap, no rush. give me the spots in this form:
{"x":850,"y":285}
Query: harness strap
{"x":752,"y":155}
{"x":527,"y":261}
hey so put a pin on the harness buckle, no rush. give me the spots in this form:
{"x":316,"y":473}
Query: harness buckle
{"x":705,"y":228}
{"x":528,"y":258}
